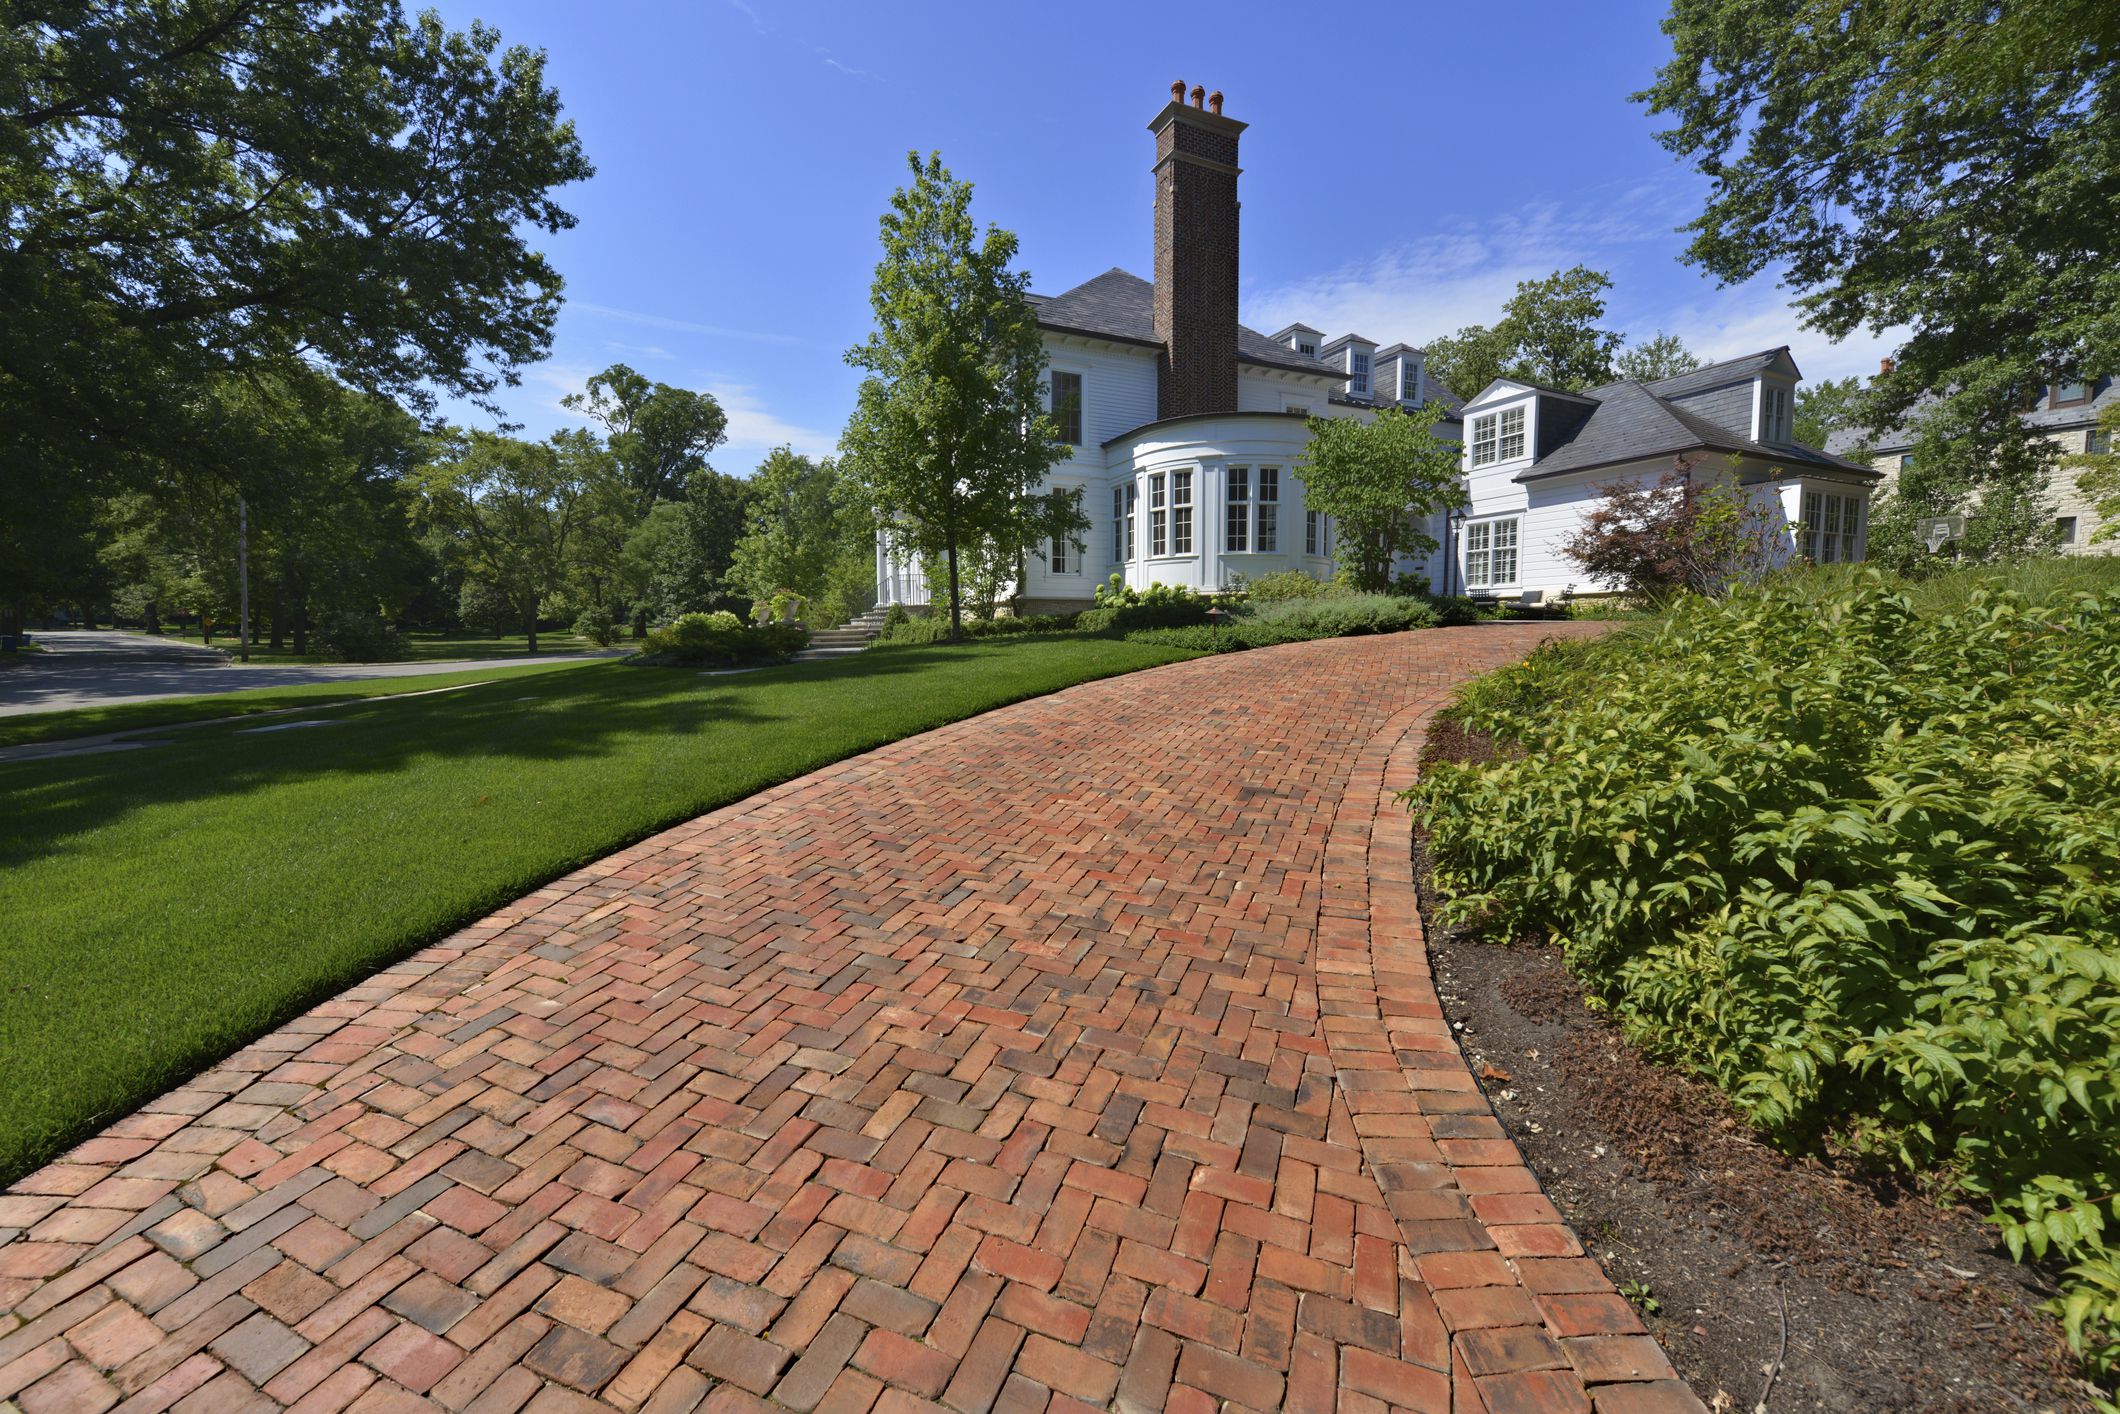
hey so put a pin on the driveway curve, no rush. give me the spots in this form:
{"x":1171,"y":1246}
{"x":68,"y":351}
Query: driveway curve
{"x":1084,"y":1052}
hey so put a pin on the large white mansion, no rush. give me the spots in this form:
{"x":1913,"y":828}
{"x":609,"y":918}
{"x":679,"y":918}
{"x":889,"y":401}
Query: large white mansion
{"x":1187,"y":429}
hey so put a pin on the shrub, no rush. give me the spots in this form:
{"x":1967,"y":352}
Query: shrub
{"x":1339,"y":616}
{"x":721,"y":637}
{"x":895,"y":617}
{"x":1289,"y":584}
{"x":1853,"y":863}
{"x":597,"y":624}
{"x":1454,"y":610}
{"x":1229,"y":638}
{"x":1121,"y":607}
{"x":936,"y":627}
{"x":350,"y":636}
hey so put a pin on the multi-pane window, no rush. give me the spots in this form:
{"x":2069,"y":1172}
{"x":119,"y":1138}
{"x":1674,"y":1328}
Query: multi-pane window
{"x":1181,"y":509}
{"x":1490,"y":553}
{"x":1313,"y":533}
{"x":2098,"y":442}
{"x":1067,"y":407}
{"x":1062,"y":557}
{"x":1510,"y":444}
{"x":1498,"y":437}
{"x":1123,"y":501}
{"x":1358,"y":372}
{"x":1409,"y":381}
{"x":1306,"y":348}
{"x":1774,"y":414}
{"x":1236,"y":530}
{"x":1269,"y":536}
{"x":1158,"y":516}
{"x":1832,"y":527}
{"x":2066,"y":393}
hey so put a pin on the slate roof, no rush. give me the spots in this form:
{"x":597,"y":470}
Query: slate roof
{"x":2041,"y":419}
{"x":1122,"y":306}
{"x":1637,"y":421}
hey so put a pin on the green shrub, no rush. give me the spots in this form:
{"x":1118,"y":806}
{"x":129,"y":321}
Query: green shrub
{"x":1121,"y":607}
{"x":1344,"y":614}
{"x":1852,"y":862}
{"x":935,"y":628}
{"x":1289,"y":584}
{"x":353,"y":637}
{"x":1233,"y":637}
{"x":1454,"y":610}
{"x":896,"y":616}
{"x":721,"y":637}
{"x":597,"y":624}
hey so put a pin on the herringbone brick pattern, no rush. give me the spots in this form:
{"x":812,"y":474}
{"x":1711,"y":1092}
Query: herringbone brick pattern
{"x":1083,"y":1053}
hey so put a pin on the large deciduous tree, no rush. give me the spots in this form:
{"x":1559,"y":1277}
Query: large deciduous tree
{"x":1826,"y":407}
{"x":1380,"y":481}
{"x":188,"y":190}
{"x":950,"y":438}
{"x":1950,"y":167}
{"x":1660,"y":356}
{"x":1548,"y":334}
{"x":658,"y":435}
{"x":512,"y":510}
{"x":809,"y":527}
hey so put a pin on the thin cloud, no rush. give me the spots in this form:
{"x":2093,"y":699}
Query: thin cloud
{"x":759,"y":26}
{"x":1463,"y":273}
{"x":754,"y":429}
{"x":661,"y":321}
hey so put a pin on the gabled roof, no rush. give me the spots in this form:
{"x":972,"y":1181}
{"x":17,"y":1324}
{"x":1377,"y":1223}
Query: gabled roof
{"x":1281,"y":335}
{"x":1636,"y":421}
{"x":1730,"y":370}
{"x":1122,"y":306}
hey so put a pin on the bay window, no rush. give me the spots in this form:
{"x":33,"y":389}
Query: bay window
{"x":1158,"y":516}
{"x":1236,"y":531}
{"x":1832,"y":527}
{"x":1181,"y":509}
{"x":1124,"y":499}
{"x":1269,"y":537}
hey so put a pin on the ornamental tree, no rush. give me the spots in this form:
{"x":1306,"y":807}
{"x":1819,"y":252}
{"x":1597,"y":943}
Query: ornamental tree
{"x":1676,"y":534}
{"x":1380,"y":482}
{"x":950,"y":438}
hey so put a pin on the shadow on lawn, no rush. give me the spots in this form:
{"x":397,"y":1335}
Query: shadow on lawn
{"x":582,"y":713}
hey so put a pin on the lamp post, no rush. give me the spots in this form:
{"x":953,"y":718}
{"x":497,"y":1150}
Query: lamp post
{"x":1216,"y":617}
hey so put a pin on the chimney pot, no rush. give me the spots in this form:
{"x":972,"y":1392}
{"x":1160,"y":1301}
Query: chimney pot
{"x":1885,"y":365}
{"x":1177,"y":91}
{"x":1198,"y":94}
{"x":1214,"y":102}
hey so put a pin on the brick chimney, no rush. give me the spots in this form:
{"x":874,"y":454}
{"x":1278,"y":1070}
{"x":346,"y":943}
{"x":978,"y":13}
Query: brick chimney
{"x":1196,"y":255}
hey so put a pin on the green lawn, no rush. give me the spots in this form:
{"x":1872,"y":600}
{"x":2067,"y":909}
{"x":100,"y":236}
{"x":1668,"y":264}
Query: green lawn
{"x":422,"y":646}
{"x":28,"y":727}
{"x":163,"y":907}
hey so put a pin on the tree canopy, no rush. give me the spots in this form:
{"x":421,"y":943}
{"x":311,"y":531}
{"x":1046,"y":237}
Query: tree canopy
{"x":1379,"y":481}
{"x":1949,"y":167}
{"x":1548,"y":334}
{"x":194,"y":192}
{"x":950,"y":438}
{"x":1660,"y":356}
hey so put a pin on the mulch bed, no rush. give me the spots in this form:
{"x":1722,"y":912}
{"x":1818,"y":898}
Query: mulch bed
{"x":1845,"y":1287}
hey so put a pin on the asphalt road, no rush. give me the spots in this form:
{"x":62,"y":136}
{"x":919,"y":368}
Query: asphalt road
{"x":96,"y":668}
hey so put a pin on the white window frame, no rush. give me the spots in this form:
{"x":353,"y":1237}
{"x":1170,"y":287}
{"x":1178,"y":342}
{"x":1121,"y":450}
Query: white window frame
{"x":1491,"y":545}
{"x":1483,"y":439}
{"x":1057,"y":552}
{"x":1119,"y":550}
{"x":1181,"y":513}
{"x":1832,"y":526}
{"x":1236,"y":519}
{"x":1509,"y":434}
{"x":1266,"y":533}
{"x":1409,"y":381}
{"x":1358,"y":372}
{"x":1774,"y":412}
{"x":1158,"y":517}
{"x":1307,"y":347}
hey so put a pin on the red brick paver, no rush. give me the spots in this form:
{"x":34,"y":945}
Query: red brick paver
{"x":1083,"y":1053}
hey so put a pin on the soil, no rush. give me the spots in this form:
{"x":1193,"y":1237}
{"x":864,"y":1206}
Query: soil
{"x":1889,"y":1299}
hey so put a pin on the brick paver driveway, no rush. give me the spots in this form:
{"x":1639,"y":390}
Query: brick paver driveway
{"x":1081,"y":1052}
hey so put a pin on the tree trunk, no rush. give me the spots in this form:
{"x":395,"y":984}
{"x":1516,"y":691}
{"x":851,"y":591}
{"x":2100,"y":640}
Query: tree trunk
{"x":301,"y":625}
{"x":956,"y":596}
{"x":640,"y":624}
{"x":530,"y":623}
{"x":153,"y":617}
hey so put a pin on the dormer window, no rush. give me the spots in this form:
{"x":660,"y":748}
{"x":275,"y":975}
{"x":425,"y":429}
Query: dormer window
{"x":1773,"y":413}
{"x":1409,"y":381}
{"x":1307,"y":347}
{"x":1498,"y":437}
{"x":1358,"y":372}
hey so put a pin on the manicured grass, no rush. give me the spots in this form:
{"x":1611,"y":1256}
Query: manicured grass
{"x":29,"y":727}
{"x":421,"y":646}
{"x":163,"y":907}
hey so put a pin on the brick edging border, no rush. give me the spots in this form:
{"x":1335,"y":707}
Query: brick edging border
{"x":1531,"y":1321}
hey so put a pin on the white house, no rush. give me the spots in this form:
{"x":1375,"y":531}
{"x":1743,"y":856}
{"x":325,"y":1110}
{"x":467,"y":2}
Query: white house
{"x":1187,"y":429}
{"x":1535,"y":457}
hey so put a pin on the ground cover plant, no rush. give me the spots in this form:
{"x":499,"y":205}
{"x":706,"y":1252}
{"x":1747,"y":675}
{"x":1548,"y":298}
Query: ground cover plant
{"x":721,"y":637}
{"x":418,"y":646}
{"x":165,"y":906}
{"x":1850,"y":857}
{"x":1294,"y":620}
{"x":24,"y":728}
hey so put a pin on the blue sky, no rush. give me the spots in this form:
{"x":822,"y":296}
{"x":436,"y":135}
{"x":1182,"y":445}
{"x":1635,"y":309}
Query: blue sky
{"x":1399,"y":178}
